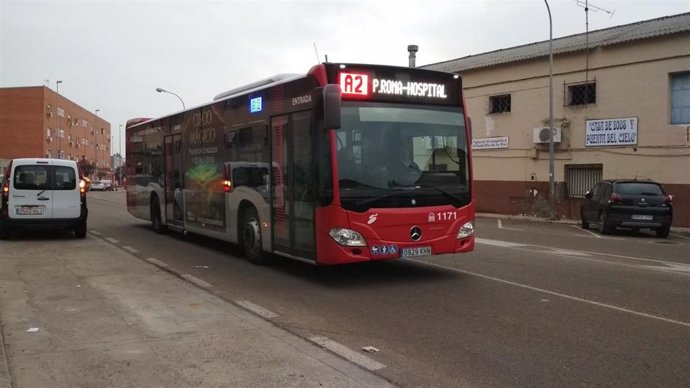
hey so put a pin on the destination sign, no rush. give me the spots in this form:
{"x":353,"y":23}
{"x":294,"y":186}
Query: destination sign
{"x":354,"y":84}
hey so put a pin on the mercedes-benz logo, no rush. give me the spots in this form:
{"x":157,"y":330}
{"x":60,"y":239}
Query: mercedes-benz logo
{"x":415,"y":233}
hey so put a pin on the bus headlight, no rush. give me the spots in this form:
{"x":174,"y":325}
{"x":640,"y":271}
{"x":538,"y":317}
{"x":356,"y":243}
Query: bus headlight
{"x":466,"y":230}
{"x":347,"y":237}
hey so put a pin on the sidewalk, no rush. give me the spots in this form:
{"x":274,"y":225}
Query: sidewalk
{"x":674,"y":229}
{"x":84,"y":313}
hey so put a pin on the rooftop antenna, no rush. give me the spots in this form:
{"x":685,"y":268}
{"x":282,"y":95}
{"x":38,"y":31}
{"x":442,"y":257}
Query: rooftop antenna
{"x":317,"y":53}
{"x":585,"y":4}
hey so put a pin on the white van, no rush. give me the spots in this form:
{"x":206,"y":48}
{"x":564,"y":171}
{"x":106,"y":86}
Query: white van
{"x":40,"y":193}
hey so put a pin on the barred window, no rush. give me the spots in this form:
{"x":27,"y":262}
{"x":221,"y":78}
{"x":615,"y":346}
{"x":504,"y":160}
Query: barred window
{"x":499,"y":104}
{"x":581,"y":94}
{"x":680,"y":98}
{"x":581,"y":177}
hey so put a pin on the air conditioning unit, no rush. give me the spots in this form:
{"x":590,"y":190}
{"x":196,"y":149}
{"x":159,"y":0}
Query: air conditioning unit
{"x":541,"y":135}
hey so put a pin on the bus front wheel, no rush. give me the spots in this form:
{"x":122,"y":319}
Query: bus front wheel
{"x":250,"y":237}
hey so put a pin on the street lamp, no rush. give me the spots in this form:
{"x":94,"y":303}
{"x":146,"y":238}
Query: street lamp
{"x":552,"y":189}
{"x":161,"y":90}
{"x":119,"y":143}
{"x":57,"y":108}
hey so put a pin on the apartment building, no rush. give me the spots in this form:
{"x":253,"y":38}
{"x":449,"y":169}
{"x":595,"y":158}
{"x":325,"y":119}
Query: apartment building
{"x":38,"y":122}
{"x":621,"y":103}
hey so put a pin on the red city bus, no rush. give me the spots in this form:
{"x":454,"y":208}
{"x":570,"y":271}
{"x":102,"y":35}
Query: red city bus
{"x":347,"y":163}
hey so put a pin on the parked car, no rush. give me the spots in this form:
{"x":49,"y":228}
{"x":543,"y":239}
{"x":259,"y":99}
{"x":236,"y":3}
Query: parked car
{"x":108,"y":184}
{"x":39,"y":193}
{"x":629,"y":204}
{"x":97,"y":186}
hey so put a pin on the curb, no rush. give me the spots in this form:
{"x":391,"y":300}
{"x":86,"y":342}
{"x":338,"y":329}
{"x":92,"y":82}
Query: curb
{"x":5,"y":377}
{"x":674,"y":229}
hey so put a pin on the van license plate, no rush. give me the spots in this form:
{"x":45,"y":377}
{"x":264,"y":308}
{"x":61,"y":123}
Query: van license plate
{"x":30,"y":210}
{"x":418,"y":251}
{"x":642,"y":217}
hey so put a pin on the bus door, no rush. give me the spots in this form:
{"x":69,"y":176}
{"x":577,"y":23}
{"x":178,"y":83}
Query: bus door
{"x":174,"y":183}
{"x":293,"y":191}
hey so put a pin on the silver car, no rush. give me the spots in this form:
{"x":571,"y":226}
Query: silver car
{"x":97,"y":186}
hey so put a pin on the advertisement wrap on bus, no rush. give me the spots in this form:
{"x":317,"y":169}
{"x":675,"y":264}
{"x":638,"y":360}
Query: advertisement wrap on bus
{"x":347,"y":163}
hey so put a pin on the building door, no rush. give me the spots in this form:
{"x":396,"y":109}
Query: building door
{"x":293,"y":192}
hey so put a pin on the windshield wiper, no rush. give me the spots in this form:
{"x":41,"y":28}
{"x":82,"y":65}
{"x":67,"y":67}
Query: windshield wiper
{"x":444,"y":192}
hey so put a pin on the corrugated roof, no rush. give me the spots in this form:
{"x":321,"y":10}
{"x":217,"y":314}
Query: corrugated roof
{"x":640,"y":30}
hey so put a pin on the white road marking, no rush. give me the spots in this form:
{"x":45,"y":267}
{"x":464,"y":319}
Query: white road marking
{"x":156,"y":262}
{"x":567,"y":252}
{"x":678,"y":235}
{"x":586,"y":231}
{"x":347,"y":353}
{"x":112,"y":240}
{"x":570,"y":297}
{"x":500,"y":226}
{"x":197,"y":281}
{"x":498,"y":243}
{"x":96,"y":233}
{"x":257,"y":309}
{"x":586,"y":255}
{"x":671,"y":268}
{"x":130,"y":249}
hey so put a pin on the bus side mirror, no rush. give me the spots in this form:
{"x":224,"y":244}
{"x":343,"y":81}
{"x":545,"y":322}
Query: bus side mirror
{"x":331,"y":106}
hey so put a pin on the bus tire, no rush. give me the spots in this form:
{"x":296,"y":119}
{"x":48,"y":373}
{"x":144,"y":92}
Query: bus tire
{"x":156,"y":221}
{"x":250,"y":237}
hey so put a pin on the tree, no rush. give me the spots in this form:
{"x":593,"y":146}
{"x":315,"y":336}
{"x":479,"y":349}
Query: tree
{"x":87,"y":167}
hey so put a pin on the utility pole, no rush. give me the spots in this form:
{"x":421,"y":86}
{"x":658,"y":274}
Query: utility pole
{"x":552,"y":188}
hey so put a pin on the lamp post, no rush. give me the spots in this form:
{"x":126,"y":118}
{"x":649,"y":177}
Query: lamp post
{"x":161,"y":90}
{"x":120,"y":147}
{"x":57,"y":108}
{"x":552,"y":189}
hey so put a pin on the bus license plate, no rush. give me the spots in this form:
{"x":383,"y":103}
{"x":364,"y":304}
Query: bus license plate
{"x":642,"y":217}
{"x":418,"y":251}
{"x":30,"y":210}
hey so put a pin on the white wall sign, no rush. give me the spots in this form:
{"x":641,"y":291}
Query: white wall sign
{"x":487,"y":143}
{"x":611,"y":132}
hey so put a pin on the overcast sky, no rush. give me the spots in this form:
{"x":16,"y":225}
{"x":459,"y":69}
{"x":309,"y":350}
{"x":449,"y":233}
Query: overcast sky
{"x":111,"y":55}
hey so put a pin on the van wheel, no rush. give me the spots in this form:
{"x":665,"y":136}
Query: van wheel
{"x":5,"y":234}
{"x":156,"y":221}
{"x":80,"y":230}
{"x":250,"y":238}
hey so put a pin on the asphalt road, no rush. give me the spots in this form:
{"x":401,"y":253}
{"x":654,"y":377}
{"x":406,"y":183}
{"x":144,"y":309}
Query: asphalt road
{"x":536,"y":304}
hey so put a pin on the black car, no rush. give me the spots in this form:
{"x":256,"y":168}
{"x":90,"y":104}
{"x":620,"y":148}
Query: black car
{"x":629,"y":204}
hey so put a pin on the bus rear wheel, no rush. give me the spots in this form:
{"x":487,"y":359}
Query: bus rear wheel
{"x":156,"y":221}
{"x":250,"y":238}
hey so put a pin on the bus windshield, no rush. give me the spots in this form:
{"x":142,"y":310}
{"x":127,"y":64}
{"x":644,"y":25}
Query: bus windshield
{"x":393,"y":155}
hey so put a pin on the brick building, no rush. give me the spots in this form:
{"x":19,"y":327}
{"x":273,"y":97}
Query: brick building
{"x":621,"y":110}
{"x":37,"y":122}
